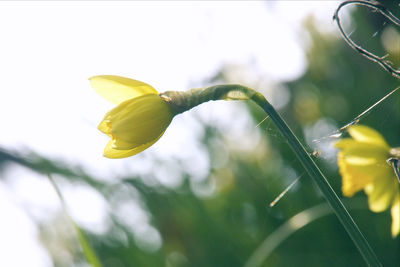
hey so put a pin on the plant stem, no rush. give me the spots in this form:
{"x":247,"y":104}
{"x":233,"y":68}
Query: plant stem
{"x":87,"y":249}
{"x":317,"y":176}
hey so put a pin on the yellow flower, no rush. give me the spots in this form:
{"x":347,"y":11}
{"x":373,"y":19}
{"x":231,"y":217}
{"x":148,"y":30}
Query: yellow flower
{"x":139,"y":119}
{"x":362,"y":164}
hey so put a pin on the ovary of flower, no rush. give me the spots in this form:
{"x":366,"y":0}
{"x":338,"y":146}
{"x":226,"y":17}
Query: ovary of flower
{"x":362,"y":164}
{"x":139,"y":119}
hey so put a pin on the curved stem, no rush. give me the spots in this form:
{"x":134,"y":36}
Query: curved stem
{"x":87,"y":249}
{"x":279,"y":235}
{"x":181,"y":101}
{"x":382,"y":10}
{"x":317,"y":176}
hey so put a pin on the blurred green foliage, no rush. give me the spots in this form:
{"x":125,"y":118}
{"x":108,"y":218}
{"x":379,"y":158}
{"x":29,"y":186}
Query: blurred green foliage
{"x":224,"y":229}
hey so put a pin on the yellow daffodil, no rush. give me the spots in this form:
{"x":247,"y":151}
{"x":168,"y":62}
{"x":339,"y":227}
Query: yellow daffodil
{"x":362,"y":164}
{"x":139,"y":119}
{"x":142,"y":114}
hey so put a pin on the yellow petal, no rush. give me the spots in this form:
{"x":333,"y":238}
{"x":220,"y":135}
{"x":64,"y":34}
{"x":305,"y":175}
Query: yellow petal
{"x":117,"y":89}
{"x":141,"y":120}
{"x":395,"y":212}
{"x":114,"y":114}
{"x":119,"y":144}
{"x":381,"y":192}
{"x":112,"y":153}
{"x":360,"y":164}
{"x":355,"y":177}
{"x":362,"y":153}
{"x":366,"y":134}
{"x":105,"y":126}
{"x":344,"y":143}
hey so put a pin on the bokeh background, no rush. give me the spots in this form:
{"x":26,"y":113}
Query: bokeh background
{"x":200,"y":196}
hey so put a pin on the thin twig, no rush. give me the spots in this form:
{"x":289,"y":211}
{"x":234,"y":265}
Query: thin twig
{"x":368,"y":110}
{"x":338,"y":133}
{"x":382,"y":10}
{"x":396,"y":166}
{"x":273,"y":203}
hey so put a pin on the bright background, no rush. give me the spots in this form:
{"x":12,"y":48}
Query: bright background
{"x":48,"y":50}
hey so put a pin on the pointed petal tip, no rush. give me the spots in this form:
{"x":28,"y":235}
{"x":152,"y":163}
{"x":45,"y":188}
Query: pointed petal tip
{"x":95,"y":77}
{"x":117,"y":89}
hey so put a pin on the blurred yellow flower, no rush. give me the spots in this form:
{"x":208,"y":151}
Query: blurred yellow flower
{"x":139,"y":119}
{"x":362,"y":164}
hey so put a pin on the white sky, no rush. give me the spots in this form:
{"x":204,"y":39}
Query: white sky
{"x":48,"y":50}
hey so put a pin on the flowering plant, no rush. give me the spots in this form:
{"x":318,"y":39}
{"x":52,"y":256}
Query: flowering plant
{"x":362,"y":164}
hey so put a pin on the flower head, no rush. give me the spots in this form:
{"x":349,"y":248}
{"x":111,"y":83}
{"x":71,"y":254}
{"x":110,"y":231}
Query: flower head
{"x":362,"y":164}
{"x":139,"y":119}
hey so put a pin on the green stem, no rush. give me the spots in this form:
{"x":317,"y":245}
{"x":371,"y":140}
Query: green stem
{"x":279,"y":235}
{"x":87,"y":249}
{"x":181,"y":101}
{"x":317,"y":176}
